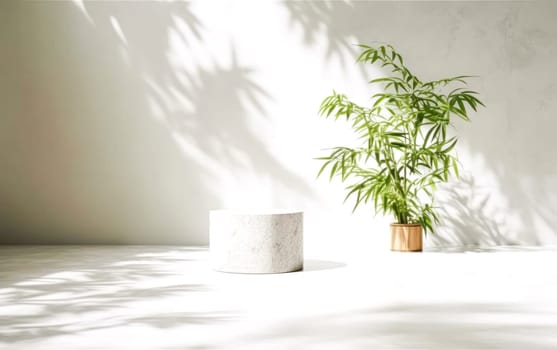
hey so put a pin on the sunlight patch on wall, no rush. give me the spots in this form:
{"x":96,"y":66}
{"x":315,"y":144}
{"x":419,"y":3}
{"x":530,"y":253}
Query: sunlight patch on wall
{"x":118,"y":29}
{"x":81,"y":6}
{"x":123,"y":44}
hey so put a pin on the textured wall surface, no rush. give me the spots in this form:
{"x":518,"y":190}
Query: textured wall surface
{"x":126,"y":122}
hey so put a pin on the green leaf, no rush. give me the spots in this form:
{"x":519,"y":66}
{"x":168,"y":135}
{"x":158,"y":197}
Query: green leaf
{"x":455,"y":167}
{"x":333,"y":171}
{"x":404,"y":150}
{"x":396,"y":133}
{"x":451,"y":145}
{"x":433,"y":132}
{"x":322,"y":168}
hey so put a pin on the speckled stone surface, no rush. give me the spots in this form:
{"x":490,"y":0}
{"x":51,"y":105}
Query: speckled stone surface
{"x":255,"y":242}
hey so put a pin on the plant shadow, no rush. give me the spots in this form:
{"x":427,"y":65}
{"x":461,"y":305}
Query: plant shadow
{"x":145,"y":122}
{"x":465,"y":217}
{"x":512,"y":198}
{"x":47,"y":287}
{"x":419,"y":326}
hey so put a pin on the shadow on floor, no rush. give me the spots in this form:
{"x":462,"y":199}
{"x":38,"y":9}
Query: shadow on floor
{"x":495,"y":249}
{"x":318,"y":265}
{"x":415,"y":326}
{"x":49,"y":291}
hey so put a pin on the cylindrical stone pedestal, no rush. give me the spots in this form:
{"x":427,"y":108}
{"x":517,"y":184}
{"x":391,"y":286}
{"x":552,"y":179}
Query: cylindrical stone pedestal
{"x":256,"y":242}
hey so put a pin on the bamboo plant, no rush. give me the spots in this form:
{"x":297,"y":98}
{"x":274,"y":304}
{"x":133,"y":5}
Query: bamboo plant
{"x":405,"y":150}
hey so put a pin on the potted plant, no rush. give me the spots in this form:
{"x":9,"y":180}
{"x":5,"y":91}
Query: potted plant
{"x":405,"y":150}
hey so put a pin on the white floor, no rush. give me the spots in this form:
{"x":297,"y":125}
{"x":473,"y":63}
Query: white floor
{"x":148,"y":297}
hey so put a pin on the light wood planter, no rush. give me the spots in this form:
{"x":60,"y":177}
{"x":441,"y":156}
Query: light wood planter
{"x":406,"y":237}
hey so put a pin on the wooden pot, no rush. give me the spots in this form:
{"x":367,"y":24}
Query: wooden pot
{"x":406,"y":237}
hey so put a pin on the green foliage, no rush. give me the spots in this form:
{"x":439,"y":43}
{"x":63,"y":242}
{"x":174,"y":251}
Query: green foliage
{"x":405,"y":150}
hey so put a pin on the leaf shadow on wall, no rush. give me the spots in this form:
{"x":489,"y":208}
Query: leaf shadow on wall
{"x":224,"y":99}
{"x":210,"y":108}
{"x":122,"y":162}
{"x":512,"y":134}
{"x":95,"y":166}
{"x":124,"y":180}
{"x":509,"y":43}
{"x":325,"y":18}
{"x":466,"y":217}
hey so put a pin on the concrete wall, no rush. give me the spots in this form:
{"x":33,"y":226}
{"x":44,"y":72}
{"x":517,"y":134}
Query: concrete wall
{"x":125,"y":122}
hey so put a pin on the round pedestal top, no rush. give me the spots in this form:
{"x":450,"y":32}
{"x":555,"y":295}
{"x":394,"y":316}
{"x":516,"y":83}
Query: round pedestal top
{"x":254,"y":211}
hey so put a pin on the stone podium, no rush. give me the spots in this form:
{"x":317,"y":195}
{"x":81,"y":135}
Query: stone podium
{"x":245,"y":241}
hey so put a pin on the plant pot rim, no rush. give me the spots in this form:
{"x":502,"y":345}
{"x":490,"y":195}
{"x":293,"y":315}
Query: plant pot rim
{"x":405,"y":225}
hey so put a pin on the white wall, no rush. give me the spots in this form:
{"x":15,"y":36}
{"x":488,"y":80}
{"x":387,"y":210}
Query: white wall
{"x":125,"y":122}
